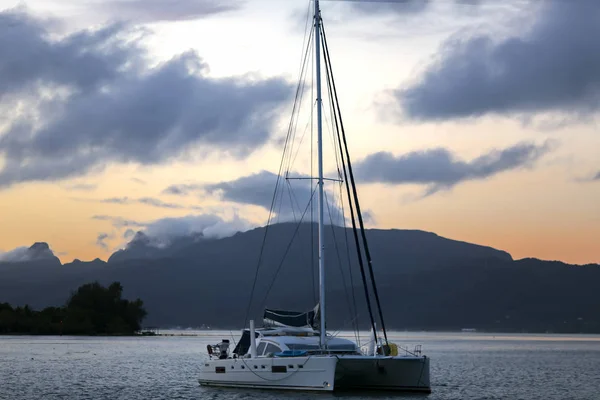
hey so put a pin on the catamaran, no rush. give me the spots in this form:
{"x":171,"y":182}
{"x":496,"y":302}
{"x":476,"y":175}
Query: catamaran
{"x":294,"y":350}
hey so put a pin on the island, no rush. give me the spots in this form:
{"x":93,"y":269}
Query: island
{"x":90,"y":310}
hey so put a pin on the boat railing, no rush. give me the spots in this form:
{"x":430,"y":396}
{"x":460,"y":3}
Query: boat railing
{"x":418,"y":350}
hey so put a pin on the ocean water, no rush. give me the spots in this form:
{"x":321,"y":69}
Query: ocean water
{"x":463,"y":366}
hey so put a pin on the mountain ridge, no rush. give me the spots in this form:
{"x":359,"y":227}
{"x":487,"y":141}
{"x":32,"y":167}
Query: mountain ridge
{"x":425,"y":282}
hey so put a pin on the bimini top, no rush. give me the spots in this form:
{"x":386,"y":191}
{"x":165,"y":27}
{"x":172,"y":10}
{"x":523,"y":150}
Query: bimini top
{"x":284,"y":318}
{"x":282,"y":323}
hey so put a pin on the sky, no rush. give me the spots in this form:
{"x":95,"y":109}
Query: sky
{"x":476,"y":120}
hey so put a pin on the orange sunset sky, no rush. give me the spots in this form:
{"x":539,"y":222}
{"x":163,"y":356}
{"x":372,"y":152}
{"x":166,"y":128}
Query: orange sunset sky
{"x":476,"y":121}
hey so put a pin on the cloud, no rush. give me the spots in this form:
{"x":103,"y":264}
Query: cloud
{"x":100,"y":240}
{"x":597,"y":177}
{"x":144,"y":11}
{"x":210,"y":226}
{"x":19,"y":254}
{"x":38,"y":251}
{"x":149,"y":201}
{"x":182,"y":189}
{"x":85,"y":59}
{"x":440,"y":169}
{"x":256,"y":189}
{"x":116,"y":200}
{"x":552,"y":67}
{"x":92,"y":98}
{"x":390,"y":7}
{"x":84,"y":187}
{"x":138,"y":180}
{"x":292,"y":197}
{"x":119,"y":222}
{"x":163,"y":232}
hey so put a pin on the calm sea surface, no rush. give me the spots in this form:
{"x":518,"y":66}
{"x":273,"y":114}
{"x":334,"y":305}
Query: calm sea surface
{"x":463,"y":366}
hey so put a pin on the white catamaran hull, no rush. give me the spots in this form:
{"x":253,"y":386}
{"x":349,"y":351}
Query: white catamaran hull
{"x":320,"y":373}
{"x":298,"y":373}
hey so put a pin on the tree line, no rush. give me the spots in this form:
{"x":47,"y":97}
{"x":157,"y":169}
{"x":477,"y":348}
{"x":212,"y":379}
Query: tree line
{"x":91,"y":310}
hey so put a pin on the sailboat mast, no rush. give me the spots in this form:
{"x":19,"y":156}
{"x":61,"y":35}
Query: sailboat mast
{"x":320,"y":181}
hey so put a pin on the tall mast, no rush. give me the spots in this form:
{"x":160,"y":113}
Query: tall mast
{"x":320,"y":181}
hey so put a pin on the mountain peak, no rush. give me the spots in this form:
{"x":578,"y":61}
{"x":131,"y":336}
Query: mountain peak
{"x":40,"y":251}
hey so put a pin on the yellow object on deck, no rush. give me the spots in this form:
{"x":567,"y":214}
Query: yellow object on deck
{"x":393,"y":349}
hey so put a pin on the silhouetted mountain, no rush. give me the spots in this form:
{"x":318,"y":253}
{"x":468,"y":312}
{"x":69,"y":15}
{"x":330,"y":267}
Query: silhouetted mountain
{"x":84,"y":264}
{"x":425,"y":281}
{"x":144,"y":247}
{"x":38,"y":253}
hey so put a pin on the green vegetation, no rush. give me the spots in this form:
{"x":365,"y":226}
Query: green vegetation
{"x":91,"y":310}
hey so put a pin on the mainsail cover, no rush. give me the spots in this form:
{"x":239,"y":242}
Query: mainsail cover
{"x":307,"y":319}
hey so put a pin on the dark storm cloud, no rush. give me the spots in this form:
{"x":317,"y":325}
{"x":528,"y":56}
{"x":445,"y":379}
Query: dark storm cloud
{"x":552,"y":66}
{"x":440,"y":169}
{"x":144,"y":11}
{"x":114,"y":107}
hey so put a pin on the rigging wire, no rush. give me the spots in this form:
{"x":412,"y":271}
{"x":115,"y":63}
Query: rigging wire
{"x":351,"y":306}
{"x":269,"y":219}
{"x":352,"y":290}
{"x":338,"y":161}
{"x":355,"y":193}
{"x":296,"y":110}
{"x":339,"y":258}
{"x":289,"y":246}
{"x":352,"y":216}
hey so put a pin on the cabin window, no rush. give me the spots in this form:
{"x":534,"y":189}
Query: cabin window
{"x":279,"y":368}
{"x":271,"y":348}
{"x":260,"y":348}
{"x":220,"y":370}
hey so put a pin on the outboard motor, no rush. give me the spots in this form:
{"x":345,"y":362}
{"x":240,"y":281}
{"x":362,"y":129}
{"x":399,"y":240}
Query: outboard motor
{"x":224,"y":349}
{"x":220,"y":350}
